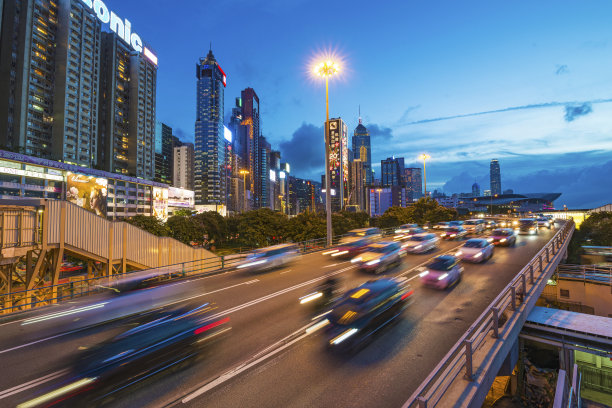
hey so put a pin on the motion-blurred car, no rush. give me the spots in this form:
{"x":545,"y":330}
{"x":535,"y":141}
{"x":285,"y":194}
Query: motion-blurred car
{"x":454,"y":233}
{"x":490,"y":224}
{"x":476,"y":250}
{"x":402,"y":229}
{"x":420,"y":243}
{"x":362,"y":312}
{"x":407,"y":233}
{"x":528,"y":226}
{"x":268,"y":258}
{"x":354,"y":243}
{"x":379,"y":257}
{"x":503,"y":237}
{"x":544,"y":222}
{"x":159,"y":341}
{"x":475,"y":226}
{"x":441,"y":225}
{"x":457,"y":223}
{"x":441,"y":272}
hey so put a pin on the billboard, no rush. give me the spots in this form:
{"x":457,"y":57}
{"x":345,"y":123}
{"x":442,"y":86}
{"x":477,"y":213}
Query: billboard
{"x":160,"y":203}
{"x":179,"y":197}
{"x":88,"y":192}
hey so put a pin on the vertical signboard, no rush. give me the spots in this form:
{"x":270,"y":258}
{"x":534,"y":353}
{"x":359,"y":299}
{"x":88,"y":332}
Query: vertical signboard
{"x":160,"y":203}
{"x":88,"y":192}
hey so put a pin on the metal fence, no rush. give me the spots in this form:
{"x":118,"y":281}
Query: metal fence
{"x":594,"y":273}
{"x":491,"y":322}
{"x":78,"y":287}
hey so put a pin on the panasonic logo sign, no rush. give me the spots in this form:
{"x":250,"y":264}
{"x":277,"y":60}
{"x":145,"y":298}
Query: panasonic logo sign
{"x":123,"y":28}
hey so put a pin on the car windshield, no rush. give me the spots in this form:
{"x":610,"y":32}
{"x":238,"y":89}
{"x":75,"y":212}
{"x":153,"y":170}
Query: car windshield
{"x":441,"y":264}
{"x":356,"y":234}
{"x":454,"y":230}
{"x":418,"y":238}
{"x":469,"y":223}
{"x":474,"y":244}
{"x":501,"y":232}
{"x":379,"y":249}
{"x":526,"y":222}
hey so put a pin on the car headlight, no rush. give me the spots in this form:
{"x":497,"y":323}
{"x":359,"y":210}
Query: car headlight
{"x":478,"y":255}
{"x":343,"y":336}
{"x":458,"y":253}
{"x":424,"y":273}
{"x":443,"y":276}
{"x":246,"y":265}
{"x":502,"y":240}
{"x":355,"y":260}
{"x":418,"y":247}
{"x":373,"y":262}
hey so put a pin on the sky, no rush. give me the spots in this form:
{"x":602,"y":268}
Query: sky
{"x":528,"y":83}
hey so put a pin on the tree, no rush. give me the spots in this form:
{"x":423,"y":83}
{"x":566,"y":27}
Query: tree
{"x":261,"y":227}
{"x":306,"y":226}
{"x":212,"y":224}
{"x":596,"y":230}
{"x":152,"y":225}
{"x":183,"y":212}
{"x":185,"y":229}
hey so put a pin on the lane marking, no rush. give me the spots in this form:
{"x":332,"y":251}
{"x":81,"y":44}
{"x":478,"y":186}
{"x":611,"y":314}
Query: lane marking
{"x":308,"y":330}
{"x":287,"y":271}
{"x":31,"y":384}
{"x":330,"y":266}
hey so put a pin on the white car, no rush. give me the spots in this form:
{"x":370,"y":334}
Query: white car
{"x":476,"y":226}
{"x":269,"y":258}
{"x":420,"y":243}
{"x":475,"y":250}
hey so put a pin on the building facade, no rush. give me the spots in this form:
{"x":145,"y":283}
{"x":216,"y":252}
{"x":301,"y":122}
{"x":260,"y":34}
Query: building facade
{"x":392,"y":172}
{"x":362,"y":150}
{"x":183,"y":165}
{"x":210,"y":189}
{"x":495,"y":176}
{"x":358,"y":185}
{"x":164,"y":153}
{"x":414,"y":182}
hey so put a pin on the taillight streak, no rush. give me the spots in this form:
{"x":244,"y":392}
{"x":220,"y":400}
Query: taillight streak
{"x":211,"y":325}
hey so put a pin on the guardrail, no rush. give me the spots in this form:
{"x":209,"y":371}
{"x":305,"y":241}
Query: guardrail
{"x":593,"y":273}
{"x":461,"y":356}
{"x":78,"y":287}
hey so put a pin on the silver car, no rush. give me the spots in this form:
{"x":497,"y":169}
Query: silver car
{"x":421,"y":243}
{"x":379,"y":257}
{"x":269,"y":258}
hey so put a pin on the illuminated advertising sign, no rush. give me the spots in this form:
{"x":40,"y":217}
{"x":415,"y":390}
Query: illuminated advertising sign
{"x":227,"y":134}
{"x":223,"y":74}
{"x":160,"y":203}
{"x":87,"y":192}
{"x":272,"y":175}
{"x":123,"y":28}
{"x":179,"y":197}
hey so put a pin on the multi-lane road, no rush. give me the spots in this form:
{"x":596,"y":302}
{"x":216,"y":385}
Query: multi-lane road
{"x":275,"y":354}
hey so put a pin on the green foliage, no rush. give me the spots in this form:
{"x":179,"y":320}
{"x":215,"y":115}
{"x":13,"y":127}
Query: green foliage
{"x":261,"y":227}
{"x":424,"y":210}
{"x":306,"y":226}
{"x":183,"y":212}
{"x":213,"y":226}
{"x":595,"y":230}
{"x":150,"y":224}
{"x":184,"y":229}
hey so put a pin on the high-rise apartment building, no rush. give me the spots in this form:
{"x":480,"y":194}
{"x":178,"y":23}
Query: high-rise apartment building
{"x":49,"y":67}
{"x":414,"y":183}
{"x":210,"y":146}
{"x":392,"y":172}
{"x":358,"y":183}
{"x":338,"y":163}
{"x":362,"y":150}
{"x":475,"y":190}
{"x":495,"y":176}
{"x":164,"y":153}
{"x":183,"y":164}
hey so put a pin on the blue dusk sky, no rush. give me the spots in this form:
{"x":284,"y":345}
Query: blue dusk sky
{"x":526,"y":82}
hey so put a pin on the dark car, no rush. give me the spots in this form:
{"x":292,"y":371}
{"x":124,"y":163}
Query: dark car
{"x":503,"y":237}
{"x":528,"y":226}
{"x":364,"y":311}
{"x":354,"y":243}
{"x":159,"y":340}
{"x":379,"y":257}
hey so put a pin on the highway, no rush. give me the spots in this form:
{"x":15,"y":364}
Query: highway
{"x":275,"y":354}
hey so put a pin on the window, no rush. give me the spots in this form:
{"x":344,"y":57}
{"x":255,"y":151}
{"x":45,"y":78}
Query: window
{"x":564,"y":293}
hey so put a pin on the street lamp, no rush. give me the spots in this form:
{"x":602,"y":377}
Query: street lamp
{"x":326,"y":70}
{"x":424,"y":157}
{"x":244,"y":174}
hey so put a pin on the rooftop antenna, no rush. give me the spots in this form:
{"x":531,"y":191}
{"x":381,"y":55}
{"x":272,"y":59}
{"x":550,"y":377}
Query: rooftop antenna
{"x":360,"y":114}
{"x":210,"y":49}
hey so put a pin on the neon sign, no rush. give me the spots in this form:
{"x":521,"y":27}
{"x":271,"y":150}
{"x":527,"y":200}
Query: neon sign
{"x":123,"y":28}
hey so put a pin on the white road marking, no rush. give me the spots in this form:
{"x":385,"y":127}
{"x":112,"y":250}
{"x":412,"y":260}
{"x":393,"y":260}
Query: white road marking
{"x":308,"y":330}
{"x":31,"y":384}
{"x":330,"y":266}
{"x":287,"y":271}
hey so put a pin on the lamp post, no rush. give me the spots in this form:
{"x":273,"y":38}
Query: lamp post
{"x":326,"y":70}
{"x":424,"y":157}
{"x":244,"y":174}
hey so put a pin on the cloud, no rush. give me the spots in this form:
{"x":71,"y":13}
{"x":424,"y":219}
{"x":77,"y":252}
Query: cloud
{"x":305,"y":151}
{"x":382,"y":133}
{"x":573,"y":112}
{"x":561,"y":69}
{"x":510,"y":109}
{"x":407,"y":113}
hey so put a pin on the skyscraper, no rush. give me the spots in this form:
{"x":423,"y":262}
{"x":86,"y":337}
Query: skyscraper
{"x":338,"y":163}
{"x":475,"y":190}
{"x":414,"y":182}
{"x":127,"y":110}
{"x":209,"y":134}
{"x":250,"y":142}
{"x":495,"y":177}
{"x":49,"y":67}
{"x":183,"y":166}
{"x":392,"y":172}
{"x":164,"y":154}
{"x":362,"y":150}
